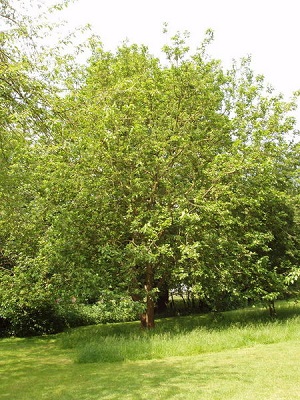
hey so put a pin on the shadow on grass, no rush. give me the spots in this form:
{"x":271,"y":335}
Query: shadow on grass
{"x":207,"y":377}
{"x":180,"y":336}
{"x":222,"y":320}
{"x":139,"y":380}
{"x":183,"y":324}
{"x":37,"y":368}
{"x":44,"y":367}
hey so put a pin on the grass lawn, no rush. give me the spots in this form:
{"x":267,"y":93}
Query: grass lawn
{"x":241,"y":355}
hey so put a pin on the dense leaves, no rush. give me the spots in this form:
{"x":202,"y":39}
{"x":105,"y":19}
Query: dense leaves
{"x":131,"y":177}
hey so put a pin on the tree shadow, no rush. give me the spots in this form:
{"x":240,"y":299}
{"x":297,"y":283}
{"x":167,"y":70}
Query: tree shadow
{"x":223,"y":320}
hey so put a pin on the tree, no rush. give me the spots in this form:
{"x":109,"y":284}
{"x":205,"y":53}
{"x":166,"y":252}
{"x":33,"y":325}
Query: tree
{"x":150,"y":176}
{"x":178,"y":169}
{"x":263,"y":130}
{"x":28,"y":90}
{"x":133,"y":164}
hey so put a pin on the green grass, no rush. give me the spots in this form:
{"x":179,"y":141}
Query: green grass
{"x":236,"y":355}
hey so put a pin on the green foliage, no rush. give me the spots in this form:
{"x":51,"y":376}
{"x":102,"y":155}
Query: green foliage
{"x":114,"y":308}
{"x":39,"y":304}
{"x":130,"y":176}
{"x":29,"y":308}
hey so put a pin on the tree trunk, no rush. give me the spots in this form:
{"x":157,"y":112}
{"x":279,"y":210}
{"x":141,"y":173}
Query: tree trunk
{"x":147,"y":319}
{"x":162,"y":299}
{"x":272,"y":309}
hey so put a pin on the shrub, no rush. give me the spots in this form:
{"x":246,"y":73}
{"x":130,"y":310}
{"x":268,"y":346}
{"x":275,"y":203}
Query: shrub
{"x":32,"y":312}
{"x":28,"y":306}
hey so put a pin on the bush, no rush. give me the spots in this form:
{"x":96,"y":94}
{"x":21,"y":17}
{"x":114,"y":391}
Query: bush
{"x":32,"y":304}
{"x":4,"y":326}
{"x":114,"y":307}
{"x":29,"y":320}
{"x":110,"y":308}
{"x":32,"y":314}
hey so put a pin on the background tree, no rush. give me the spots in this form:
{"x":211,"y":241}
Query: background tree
{"x":30,"y":84}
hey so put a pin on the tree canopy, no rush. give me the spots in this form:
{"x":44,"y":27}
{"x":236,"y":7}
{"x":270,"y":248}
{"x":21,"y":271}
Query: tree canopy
{"x":137,"y":176}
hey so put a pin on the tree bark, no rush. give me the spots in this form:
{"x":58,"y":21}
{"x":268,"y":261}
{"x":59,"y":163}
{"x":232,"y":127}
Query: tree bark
{"x":147,"y":319}
{"x":272,"y":309}
{"x":162,"y":299}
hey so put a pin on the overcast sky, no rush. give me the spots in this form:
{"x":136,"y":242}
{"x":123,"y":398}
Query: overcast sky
{"x":269,"y":30}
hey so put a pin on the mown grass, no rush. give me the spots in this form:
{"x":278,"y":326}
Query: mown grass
{"x":236,"y":355}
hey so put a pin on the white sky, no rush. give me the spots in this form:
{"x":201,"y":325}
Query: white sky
{"x":269,"y":30}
